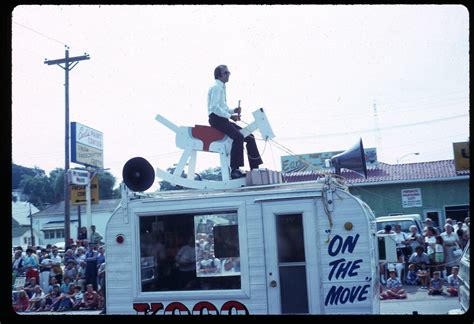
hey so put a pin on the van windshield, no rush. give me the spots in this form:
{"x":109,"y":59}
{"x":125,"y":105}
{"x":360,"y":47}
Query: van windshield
{"x":405,"y":224}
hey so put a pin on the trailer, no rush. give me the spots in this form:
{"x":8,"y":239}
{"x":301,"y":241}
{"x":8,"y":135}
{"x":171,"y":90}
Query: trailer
{"x":284,"y":248}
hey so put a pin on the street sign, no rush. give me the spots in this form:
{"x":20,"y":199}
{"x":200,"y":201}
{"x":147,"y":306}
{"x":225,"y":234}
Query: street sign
{"x":78,"y":177}
{"x":78,"y":193}
{"x":86,"y":146}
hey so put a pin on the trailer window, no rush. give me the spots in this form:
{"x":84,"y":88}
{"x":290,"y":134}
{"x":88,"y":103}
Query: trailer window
{"x":190,"y":252}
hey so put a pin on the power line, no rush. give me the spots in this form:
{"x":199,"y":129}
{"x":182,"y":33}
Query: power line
{"x":39,"y":33}
{"x":371,"y":130}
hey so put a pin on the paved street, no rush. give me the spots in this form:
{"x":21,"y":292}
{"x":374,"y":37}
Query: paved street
{"x":418,"y":300}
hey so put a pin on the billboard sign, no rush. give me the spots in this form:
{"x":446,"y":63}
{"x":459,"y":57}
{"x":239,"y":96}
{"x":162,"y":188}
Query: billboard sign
{"x":86,"y":146}
{"x":315,"y":161}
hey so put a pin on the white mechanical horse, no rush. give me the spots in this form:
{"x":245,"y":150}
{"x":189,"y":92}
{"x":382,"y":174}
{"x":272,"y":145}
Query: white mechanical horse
{"x":208,"y":139}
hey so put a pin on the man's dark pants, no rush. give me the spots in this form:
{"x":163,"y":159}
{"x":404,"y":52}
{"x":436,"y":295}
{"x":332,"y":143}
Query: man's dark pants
{"x":237,"y":151}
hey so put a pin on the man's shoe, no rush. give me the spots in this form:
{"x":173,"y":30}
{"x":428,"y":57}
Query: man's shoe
{"x":236,"y":174}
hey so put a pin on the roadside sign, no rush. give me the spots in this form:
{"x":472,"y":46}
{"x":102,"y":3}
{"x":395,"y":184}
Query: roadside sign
{"x":86,"y":146}
{"x":78,"y":177}
{"x":411,"y":198}
{"x":78,"y":193}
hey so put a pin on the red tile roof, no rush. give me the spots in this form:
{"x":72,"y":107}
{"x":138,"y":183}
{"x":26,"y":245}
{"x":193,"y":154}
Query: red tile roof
{"x":389,"y":172}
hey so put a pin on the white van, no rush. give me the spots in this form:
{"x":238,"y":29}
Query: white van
{"x":405,"y":221}
{"x":463,"y":275}
{"x":288,"y":248}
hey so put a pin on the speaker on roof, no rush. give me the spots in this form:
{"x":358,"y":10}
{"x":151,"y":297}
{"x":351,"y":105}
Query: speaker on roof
{"x":352,"y":159}
{"x":138,"y":174}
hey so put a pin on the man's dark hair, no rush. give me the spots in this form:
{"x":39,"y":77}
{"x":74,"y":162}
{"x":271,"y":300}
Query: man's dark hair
{"x":218,"y":71}
{"x":419,"y":248}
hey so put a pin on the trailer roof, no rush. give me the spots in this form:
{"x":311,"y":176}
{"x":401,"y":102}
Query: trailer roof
{"x":293,"y":187}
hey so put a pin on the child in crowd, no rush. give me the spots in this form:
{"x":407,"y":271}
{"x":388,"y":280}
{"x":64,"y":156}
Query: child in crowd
{"x":394,"y":288}
{"x":424,"y":277}
{"x":90,"y":298}
{"x":453,"y":282}
{"x":412,"y":277}
{"x":436,"y":284}
{"x":36,"y":299}
{"x":22,"y":302}
{"x":78,"y":298}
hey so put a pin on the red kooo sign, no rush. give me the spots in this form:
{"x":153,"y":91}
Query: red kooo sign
{"x":230,"y":307}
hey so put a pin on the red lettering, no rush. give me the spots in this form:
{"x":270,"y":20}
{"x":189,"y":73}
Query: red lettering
{"x":231,"y":305}
{"x":141,"y":308}
{"x":199,"y":308}
{"x":174,"y":307}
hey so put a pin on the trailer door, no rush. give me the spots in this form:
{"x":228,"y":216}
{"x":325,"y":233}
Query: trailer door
{"x":291,"y":257}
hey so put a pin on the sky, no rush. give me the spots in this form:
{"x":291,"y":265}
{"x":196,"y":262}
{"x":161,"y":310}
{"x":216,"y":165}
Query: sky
{"x":396,"y":76}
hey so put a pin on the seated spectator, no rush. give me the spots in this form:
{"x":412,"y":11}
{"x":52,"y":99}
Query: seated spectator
{"x":91,"y":298}
{"x":66,"y":299}
{"x":70,"y":270}
{"x":453,"y":282}
{"x":81,"y":276}
{"x":66,"y":285}
{"x":52,"y":282}
{"x":36,"y":299}
{"x":394,"y":288}
{"x":77,"y":298}
{"x":51,"y":300}
{"x":436,"y":284}
{"x":22,"y":302}
{"x":412,"y":277}
{"x":421,"y":260}
{"x":29,"y":286}
{"x":57,"y":272}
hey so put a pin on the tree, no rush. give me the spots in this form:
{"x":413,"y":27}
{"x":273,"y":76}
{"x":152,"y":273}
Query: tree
{"x":57,"y":183}
{"x":212,"y":174}
{"x":18,"y":171}
{"x":43,"y":190}
{"x":208,"y":174}
{"x":106,"y":185}
{"x":165,"y":185}
{"x":39,"y":190}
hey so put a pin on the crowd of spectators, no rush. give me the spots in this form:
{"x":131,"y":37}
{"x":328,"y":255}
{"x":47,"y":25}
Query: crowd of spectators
{"x":429,"y":259}
{"x":44,"y":279}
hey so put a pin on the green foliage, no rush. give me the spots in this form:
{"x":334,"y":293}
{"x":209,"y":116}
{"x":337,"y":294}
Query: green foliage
{"x":106,"y":185}
{"x":43,"y":190}
{"x":38,"y":188}
{"x":165,"y":185}
{"x":212,"y":174}
{"x":18,"y":171}
{"x":208,"y":174}
{"x":57,"y":182}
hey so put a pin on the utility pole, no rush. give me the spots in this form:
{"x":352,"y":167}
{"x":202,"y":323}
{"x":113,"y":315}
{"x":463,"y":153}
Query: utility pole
{"x":31,"y":228}
{"x":69,"y":64}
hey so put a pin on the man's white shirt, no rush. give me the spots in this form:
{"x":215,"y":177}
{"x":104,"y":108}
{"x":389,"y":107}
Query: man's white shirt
{"x":217,"y":102}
